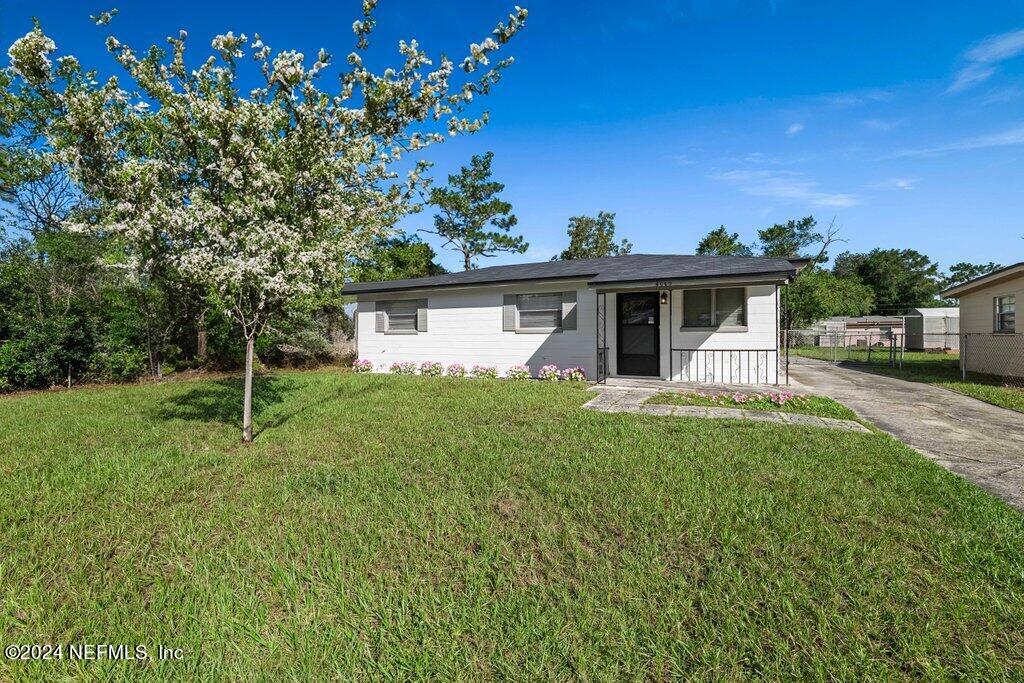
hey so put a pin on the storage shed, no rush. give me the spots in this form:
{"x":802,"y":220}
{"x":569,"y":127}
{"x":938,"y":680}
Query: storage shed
{"x":933,"y":329}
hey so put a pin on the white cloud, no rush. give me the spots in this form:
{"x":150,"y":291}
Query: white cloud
{"x":794,"y":129}
{"x":1002,"y":95}
{"x":879,"y":124}
{"x":896,"y":184}
{"x":997,"y":48}
{"x":1006,"y":138}
{"x":786,"y":185}
{"x":982,"y":58}
{"x":855,"y":98}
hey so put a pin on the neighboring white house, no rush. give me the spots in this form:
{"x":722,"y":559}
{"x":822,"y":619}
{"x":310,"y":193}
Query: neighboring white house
{"x":990,"y":340}
{"x":683,"y":318}
{"x":933,"y":329}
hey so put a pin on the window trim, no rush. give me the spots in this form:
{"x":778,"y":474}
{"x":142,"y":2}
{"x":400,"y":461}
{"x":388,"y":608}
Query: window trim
{"x":683,"y":327}
{"x":997,"y":314}
{"x":541,"y":330}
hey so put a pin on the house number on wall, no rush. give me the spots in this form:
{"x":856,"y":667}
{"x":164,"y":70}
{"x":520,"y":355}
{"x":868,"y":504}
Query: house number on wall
{"x":662,"y":283}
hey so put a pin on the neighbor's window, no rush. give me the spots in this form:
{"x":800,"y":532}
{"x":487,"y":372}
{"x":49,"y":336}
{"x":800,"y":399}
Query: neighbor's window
{"x":1006,"y":314}
{"x":401,"y":316}
{"x":715,"y":307}
{"x":539,"y":311}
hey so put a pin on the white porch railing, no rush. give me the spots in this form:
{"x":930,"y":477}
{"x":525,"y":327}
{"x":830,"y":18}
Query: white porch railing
{"x":726,"y":366}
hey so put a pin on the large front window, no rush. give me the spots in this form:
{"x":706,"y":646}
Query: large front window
{"x":1006,"y":314}
{"x":724,"y":307}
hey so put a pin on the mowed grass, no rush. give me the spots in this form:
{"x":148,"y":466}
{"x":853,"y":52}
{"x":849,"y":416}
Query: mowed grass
{"x":394,"y":527}
{"x":820,"y":406}
{"x":933,"y":368}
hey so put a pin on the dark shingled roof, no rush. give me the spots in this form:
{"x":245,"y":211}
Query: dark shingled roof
{"x":611,"y":269}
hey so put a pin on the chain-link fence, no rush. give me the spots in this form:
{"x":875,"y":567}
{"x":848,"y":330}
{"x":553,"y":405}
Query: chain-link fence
{"x":870,"y":346}
{"x":993,"y":355}
{"x":988,"y":358}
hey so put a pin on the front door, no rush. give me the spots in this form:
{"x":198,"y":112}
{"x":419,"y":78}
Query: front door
{"x":637,"y":337}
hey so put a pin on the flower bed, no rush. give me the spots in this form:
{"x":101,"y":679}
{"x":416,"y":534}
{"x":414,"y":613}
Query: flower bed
{"x":781,"y":401}
{"x":429,"y":368}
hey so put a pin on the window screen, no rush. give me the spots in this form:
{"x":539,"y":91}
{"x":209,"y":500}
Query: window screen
{"x":1006,"y":314}
{"x":729,"y":307}
{"x":539,"y":310}
{"x":401,"y":316}
{"x":697,"y":308}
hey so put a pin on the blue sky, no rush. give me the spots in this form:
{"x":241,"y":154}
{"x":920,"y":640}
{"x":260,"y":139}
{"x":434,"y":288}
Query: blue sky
{"x":904,"y":121}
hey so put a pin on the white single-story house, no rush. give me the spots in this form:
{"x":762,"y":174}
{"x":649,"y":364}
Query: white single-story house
{"x":684,"y":318}
{"x":989,"y":339}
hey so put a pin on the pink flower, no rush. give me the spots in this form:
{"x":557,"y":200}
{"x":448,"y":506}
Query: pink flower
{"x":548,"y":373}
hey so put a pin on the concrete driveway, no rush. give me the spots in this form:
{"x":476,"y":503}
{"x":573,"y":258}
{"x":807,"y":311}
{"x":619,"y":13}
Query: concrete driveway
{"x":981,"y":442}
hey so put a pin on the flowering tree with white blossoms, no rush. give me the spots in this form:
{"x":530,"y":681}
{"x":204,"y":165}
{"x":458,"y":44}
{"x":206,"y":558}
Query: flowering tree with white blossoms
{"x":261,"y":196}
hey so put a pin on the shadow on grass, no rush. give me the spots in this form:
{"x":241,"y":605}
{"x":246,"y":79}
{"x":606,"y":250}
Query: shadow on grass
{"x":221,"y":401}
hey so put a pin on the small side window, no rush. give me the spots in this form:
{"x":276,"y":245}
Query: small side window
{"x":1006,"y":314}
{"x":401,"y":317}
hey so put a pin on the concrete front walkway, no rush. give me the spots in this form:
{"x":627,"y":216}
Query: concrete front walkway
{"x":612,"y":399}
{"x":979,"y":441}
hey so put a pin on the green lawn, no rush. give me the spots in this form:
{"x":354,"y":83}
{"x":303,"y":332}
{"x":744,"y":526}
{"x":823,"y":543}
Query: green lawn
{"x":805,"y":405}
{"x":409,"y":527}
{"x":935,"y":368}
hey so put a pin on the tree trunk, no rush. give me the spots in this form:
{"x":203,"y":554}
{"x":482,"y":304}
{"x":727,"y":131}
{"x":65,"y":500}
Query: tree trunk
{"x":201,"y":337}
{"x":247,"y":401}
{"x":466,"y":262}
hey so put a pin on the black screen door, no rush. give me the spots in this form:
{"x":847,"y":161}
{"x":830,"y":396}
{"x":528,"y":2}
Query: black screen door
{"x":638,"y":333}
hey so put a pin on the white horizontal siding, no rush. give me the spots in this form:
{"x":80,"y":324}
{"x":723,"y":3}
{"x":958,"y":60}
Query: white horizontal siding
{"x":465,"y":326}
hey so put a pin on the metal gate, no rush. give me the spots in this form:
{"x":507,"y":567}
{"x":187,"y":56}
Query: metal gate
{"x":602,"y":337}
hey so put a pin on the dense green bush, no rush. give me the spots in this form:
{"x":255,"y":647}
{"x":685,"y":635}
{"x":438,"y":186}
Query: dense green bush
{"x":65,"y":314}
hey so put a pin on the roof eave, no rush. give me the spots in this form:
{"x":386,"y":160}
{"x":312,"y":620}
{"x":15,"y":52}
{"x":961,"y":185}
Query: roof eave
{"x":983,"y":281}
{"x":461,"y":285}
